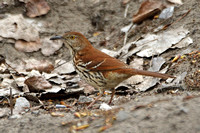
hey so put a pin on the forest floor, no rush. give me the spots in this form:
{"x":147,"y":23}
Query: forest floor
{"x":173,"y":109}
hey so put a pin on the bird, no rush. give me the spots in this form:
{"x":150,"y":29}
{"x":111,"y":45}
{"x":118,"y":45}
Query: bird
{"x":97,"y":68}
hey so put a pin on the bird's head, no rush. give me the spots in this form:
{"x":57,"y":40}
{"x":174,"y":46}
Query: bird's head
{"x":74,"y":41}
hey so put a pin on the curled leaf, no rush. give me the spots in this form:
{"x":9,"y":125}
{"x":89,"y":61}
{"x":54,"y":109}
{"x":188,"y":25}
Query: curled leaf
{"x":37,"y":8}
{"x":54,"y":114}
{"x":41,"y":66}
{"x":147,"y":9}
{"x":25,"y":46}
{"x":17,"y":27}
{"x":37,"y":84}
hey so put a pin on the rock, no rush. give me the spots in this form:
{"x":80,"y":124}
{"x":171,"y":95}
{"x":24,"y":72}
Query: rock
{"x":20,"y":105}
{"x":105,"y":107}
{"x":84,"y":99}
{"x":35,"y":112}
{"x":4,"y":112}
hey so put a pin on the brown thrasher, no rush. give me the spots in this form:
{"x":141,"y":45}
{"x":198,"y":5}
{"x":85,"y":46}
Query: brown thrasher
{"x":97,"y":68}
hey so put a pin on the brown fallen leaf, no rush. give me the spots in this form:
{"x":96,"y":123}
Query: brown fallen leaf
{"x":148,"y":9}
{"x":77,"y":114}
{"x":54,"y":114}
{"x":101,"y":129}
{"x":41,"y":66}
{"x":37,"y":8}
{"x":37,"y":84}
{"x":25,"y":46}
{"x":176,"y":58}
{"x":82,"y":127}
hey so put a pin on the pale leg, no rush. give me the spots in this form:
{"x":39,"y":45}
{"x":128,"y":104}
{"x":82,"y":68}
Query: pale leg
{"x":113,"y":93}
{"x":100,"y":95}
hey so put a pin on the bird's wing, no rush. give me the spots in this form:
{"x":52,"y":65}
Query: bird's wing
{"x":99,"y":61}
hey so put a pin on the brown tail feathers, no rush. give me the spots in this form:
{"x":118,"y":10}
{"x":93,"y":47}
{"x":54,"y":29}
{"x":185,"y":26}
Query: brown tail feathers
{"x":153,"y":74}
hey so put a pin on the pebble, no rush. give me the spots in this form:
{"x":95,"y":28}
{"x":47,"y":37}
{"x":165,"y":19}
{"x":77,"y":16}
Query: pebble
{"x":21,"y":103}
{"x":84,"y":99}
{"x":105,"y":107}
{"x":35,"y":112}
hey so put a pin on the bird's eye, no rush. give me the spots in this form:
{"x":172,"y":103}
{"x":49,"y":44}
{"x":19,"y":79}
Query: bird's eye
{"x":72,"y":37}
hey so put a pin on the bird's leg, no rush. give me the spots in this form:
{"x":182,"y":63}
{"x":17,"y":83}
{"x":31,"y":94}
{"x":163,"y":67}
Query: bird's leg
{"x":113,"y":93}
{"x":100,"y":95}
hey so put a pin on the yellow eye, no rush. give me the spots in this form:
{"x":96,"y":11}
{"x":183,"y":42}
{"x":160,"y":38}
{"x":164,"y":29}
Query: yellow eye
{"x":72,"y":37}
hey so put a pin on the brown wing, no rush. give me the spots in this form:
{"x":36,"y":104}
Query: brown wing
{"x":99,"y":61}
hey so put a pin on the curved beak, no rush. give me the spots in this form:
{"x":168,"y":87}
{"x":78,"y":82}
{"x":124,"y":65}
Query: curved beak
{"x":56,"y":38}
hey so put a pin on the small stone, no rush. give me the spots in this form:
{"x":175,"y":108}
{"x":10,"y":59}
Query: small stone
{"x":14,"y":116}
{"x":84,"y":99}
{"x":21,"y":104}
{"x":105,"y":107}
{"x":35,"y":112}
{"x":4,"y":112}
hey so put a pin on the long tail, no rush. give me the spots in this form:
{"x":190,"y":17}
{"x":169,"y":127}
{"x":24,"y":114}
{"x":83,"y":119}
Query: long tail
{"x":153,"y":74}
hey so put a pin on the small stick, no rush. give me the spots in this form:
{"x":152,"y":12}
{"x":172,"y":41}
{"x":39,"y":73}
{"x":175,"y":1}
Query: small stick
{"x":126,"y":10}
{"x":11,"y":102}
{"x":60,"y":64}
{"x":165,"y":27}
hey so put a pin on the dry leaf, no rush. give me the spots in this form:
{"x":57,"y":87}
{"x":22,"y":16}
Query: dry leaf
{"x":17,"y":27}
{"x":154,"y":44}
{"x":148,"y":9}
{"x":37,"y":8}
{"x":64,"y":67}
{"x":37,"y":84}
{"x":41,"y":66}
{"x":54,"y":114}
{"x":77,"y":114}
{"x":25,"y":46}
{"x":82,"y":127}
{"x":50,"y":47}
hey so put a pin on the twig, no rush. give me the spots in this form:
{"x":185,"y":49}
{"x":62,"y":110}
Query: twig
{"x":126,"y":33}
{"x":126,"y":10}
{"x":11,"y":102}
{"x":60,"y":64}
{"x":165,"y":27}
{"x":11,"y":67}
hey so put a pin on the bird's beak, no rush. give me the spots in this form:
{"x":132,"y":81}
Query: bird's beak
{"x":56,"y":38}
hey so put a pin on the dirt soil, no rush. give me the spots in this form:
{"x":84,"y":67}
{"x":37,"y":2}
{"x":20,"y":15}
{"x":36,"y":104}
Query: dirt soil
{"x":174,"y":109}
